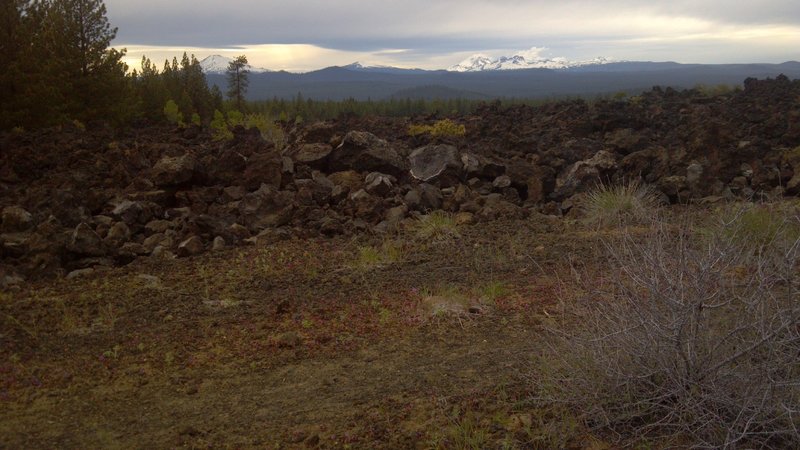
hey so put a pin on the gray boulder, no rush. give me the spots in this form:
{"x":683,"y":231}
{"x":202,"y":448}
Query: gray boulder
{"x":173,"y":170}
{"x":365,"y":152}
{"x":440,"y":163}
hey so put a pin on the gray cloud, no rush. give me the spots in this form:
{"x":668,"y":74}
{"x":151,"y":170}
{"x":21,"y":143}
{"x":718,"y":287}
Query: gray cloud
{"x":429,"y":27}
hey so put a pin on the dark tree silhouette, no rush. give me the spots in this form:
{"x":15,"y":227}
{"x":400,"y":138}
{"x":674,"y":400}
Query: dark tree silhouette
{"x":237,"y":81}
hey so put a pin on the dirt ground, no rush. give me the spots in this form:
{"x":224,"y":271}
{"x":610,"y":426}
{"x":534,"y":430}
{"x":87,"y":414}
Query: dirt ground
{"x":374,"y":342}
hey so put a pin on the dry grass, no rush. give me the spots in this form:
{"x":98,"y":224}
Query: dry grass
{"x":438,"y":226}
{"x":623,"y":204}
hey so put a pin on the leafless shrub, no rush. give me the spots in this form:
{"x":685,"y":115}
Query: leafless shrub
{"x":692,"y":338}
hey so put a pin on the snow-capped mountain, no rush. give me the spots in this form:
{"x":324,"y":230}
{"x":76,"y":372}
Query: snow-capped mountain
{"x":218,"y":64}
{"x":358,"y":67}
{"x":528,"y":59}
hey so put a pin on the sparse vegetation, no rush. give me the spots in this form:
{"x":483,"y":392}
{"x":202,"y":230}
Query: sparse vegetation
{"x":686,"y":339}
{"x":370,"y":256}
{"x":173,"y":115}
{"x":442,"y":128}
{"x":438,"y":226}
{"x":621,"y":204}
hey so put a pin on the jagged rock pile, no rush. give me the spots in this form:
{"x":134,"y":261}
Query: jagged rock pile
{"x":74,"y":199}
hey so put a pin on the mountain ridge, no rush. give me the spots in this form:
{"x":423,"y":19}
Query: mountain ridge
{"x":218,"y":64}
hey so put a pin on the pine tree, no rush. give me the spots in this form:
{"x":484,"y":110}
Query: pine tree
{"x":237,"y":81}
{"x":15,"y":34}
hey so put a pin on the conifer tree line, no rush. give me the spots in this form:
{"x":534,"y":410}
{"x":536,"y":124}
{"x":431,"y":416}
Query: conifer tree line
{"x":59,"y":67}
{"x":58,"y":64}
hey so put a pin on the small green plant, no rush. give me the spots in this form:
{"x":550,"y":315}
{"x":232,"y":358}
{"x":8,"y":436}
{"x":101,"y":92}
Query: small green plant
{"x":173,"y":115}
{"x":621,"y":204}
{"x":196,"y":119}
{"x":269,"y":130}
{"x":493,"y":290}
{"x":113,"y":353}
{"x":370,"y":256}
{"x":442,"y":128}
{"x":79,"y":125}
{"x":464,"y":432}
{"x":437,"y":226}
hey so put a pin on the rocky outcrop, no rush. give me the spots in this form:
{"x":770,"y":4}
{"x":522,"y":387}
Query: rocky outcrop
{"x":72,"y":200}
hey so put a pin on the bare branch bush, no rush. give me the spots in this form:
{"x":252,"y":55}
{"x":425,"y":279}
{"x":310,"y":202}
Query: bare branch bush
{"x":693,"y":338}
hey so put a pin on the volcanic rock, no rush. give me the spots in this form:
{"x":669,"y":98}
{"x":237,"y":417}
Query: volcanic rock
{"x":173,"y":171}
{"x":314,"y":155}
{"x":440,"y":163}
{"x":191,"y":246}
{"x":15,"y":218}
{"x":365,"y":152}
{"x":263,"y":169}
{"x":379,"y":184}
{"x":84,"y":241}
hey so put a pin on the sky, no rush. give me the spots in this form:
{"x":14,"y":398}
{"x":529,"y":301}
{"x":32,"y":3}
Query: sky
{"x":304,"y":35}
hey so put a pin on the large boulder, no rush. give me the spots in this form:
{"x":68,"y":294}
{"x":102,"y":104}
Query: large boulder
{"x":191,"y":246}
{"x":15,"y":218}
{"x":266,"y":207}
{"x":173,"y":170}
{"x":440,"y":163}
{"x":477,"y":166}
{"x":84,"y":241}
{"x":317,"y":132}
{"x":314,"y":155}
{"x":133,"y":212}
{"x":367,"y":206}
{"x":118,"y":234}
{"x":425,"y":197}
{"x":228,"y":167}
{"x":379,"y":184}
{"x":263,"y":168}
{"x":365,"y":152}
{"x":316,"y":190}
{"x":584,"y":174}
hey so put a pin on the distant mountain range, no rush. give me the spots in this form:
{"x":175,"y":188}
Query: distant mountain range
{"x":487,"y":78}
{"x":218,"y":64}
{"x":521,"y":60}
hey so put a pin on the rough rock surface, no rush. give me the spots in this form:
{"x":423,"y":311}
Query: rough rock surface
{"x":74,"y":199}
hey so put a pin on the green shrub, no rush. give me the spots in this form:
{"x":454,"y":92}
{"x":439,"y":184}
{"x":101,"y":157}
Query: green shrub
{"x":173,"y":115}
{"x":269,"y":130}
{"x":219,"y":127}
{"x":441,"y":128}
{"x":235,"y":118}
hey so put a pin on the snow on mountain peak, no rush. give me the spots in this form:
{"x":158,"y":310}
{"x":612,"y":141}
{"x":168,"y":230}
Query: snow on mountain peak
{"x":532,"y":58}
{"x":218,"y":64}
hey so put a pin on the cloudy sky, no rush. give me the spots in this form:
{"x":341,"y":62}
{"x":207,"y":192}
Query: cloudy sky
{"x":302,"y":35}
